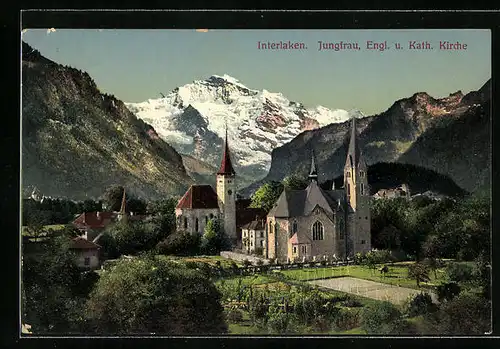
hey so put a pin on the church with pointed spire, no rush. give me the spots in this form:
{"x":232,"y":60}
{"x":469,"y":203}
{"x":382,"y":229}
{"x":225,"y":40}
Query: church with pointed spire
{"x":201,"y":203}
{"x":315,"y":224}
{"x":303,"y":225}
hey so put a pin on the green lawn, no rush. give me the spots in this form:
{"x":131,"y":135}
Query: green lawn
{"x":46,"y":228}
{"x":225,"y":262}
{"x":398,"y":274}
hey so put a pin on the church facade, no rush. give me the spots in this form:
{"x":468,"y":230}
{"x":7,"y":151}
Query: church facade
{"x":314,"y":224}
{"x":303,"y":225}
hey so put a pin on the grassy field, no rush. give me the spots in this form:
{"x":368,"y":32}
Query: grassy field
{"x":46,"y":229}
{"x":212,"y":260}
{"x":398,"y":275}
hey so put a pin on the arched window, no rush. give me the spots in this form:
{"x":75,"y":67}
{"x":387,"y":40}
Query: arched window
{"x":185,"y":222}
{"x":317,"y":231}
{"x":196,"y":225}
{"x":206,"y":220}
{"x":294,"y":227}
{"x":211,"y":216}
{"x":362,"y":189}
{"x":276,"y":227}
{"x":348,"y":174}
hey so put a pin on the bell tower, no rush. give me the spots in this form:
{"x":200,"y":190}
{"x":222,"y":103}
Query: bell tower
{"x":358,"y":198}
{"x":226,"y":193}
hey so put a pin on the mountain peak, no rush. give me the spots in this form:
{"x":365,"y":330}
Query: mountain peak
{"x":192,"y":118}
{"x":225,"y":79}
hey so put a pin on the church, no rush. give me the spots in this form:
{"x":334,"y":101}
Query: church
{"x":303,"y":225}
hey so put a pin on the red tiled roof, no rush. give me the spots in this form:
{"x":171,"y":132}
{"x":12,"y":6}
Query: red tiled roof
{"x":226,"y":167}
{"x":83,"y":244}
{"x":199,"y":196}
{"x":92,"y":220}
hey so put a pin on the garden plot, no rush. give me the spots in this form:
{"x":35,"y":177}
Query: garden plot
{"x":370,"y":289}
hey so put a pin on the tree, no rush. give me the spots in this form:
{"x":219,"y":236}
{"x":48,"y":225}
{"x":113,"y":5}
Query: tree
{"x":380,"y":318}
{"x":51,"y":286}
{"x":113,"y":197}
{"x":459,"y":272}
{"x":136,"y":205}
{"x":447,"y":291}
{"x":467,"y":314}
{"x":214,"y":239}
{"x":370,"y":261}
{"x":180,"y":243}
{"x":482,"y":275}
{"x":464,"y":232}
{"x":418,"y":272}
{"x":150,"y":295}
{"x":267,"y":195}
{"x":295,"y":182}
{"x":421,"y":304}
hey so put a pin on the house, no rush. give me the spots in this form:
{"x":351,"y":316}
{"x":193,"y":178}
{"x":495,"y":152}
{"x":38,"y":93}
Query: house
{"x":91,"y":224}
{"x":401,"y":192}
{"x":314,"y":223}
{"x":87,"y":253}
{"x":254,"y":236}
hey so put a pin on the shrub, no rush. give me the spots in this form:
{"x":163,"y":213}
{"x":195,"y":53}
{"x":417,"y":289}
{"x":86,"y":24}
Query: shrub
{"x":421,"y":304}
{"x":281,"y":322}
{"x":380,"y":318}
{"x":235,"y":315}
{"x":347,"y":319}
{"x":259,"y":262}
{"x":247,"y":263}
{"x":352,"y":303}
{"x":466,"y":314}
{"x":180,"y":243}
{"x":191,"y":264}
{"x":447,"y":291}
{"x":459,"y":272}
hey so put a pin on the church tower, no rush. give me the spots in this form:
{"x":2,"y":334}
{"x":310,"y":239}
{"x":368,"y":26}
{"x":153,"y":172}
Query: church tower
{"x":358,"y":198}
{"x":226,"y":193}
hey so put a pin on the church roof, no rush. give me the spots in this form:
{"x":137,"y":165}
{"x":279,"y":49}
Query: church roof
{"x":293,"y":203}
{"x":226,"y":167}
{"x":199,"y":196}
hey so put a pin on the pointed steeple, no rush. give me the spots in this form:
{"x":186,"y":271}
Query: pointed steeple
{"x":226,"y":167}
{"x":353,"y":154}
{"x":124,"y":201}
{"x":313,"y":173}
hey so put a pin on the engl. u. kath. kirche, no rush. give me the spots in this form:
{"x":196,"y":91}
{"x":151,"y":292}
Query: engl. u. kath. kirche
{"x":309,"y":224}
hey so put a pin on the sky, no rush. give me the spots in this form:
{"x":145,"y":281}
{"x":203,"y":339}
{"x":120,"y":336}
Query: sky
{"x":136,"y":65}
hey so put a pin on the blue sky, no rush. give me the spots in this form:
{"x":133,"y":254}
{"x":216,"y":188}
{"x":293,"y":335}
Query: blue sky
{"x":135,"y":65}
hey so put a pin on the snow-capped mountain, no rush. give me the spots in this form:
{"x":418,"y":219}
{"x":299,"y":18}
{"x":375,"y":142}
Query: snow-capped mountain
{"x":192,"y":118}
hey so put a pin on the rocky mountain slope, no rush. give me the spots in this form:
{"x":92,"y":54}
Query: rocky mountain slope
{"x":77,"y":141}
{"x":193,"y":118}
{"x":449,"y":135}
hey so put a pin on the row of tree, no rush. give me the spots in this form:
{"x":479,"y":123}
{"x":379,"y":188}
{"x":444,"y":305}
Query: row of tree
{"x":423,"y":227}
{"x":61,"y":211}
